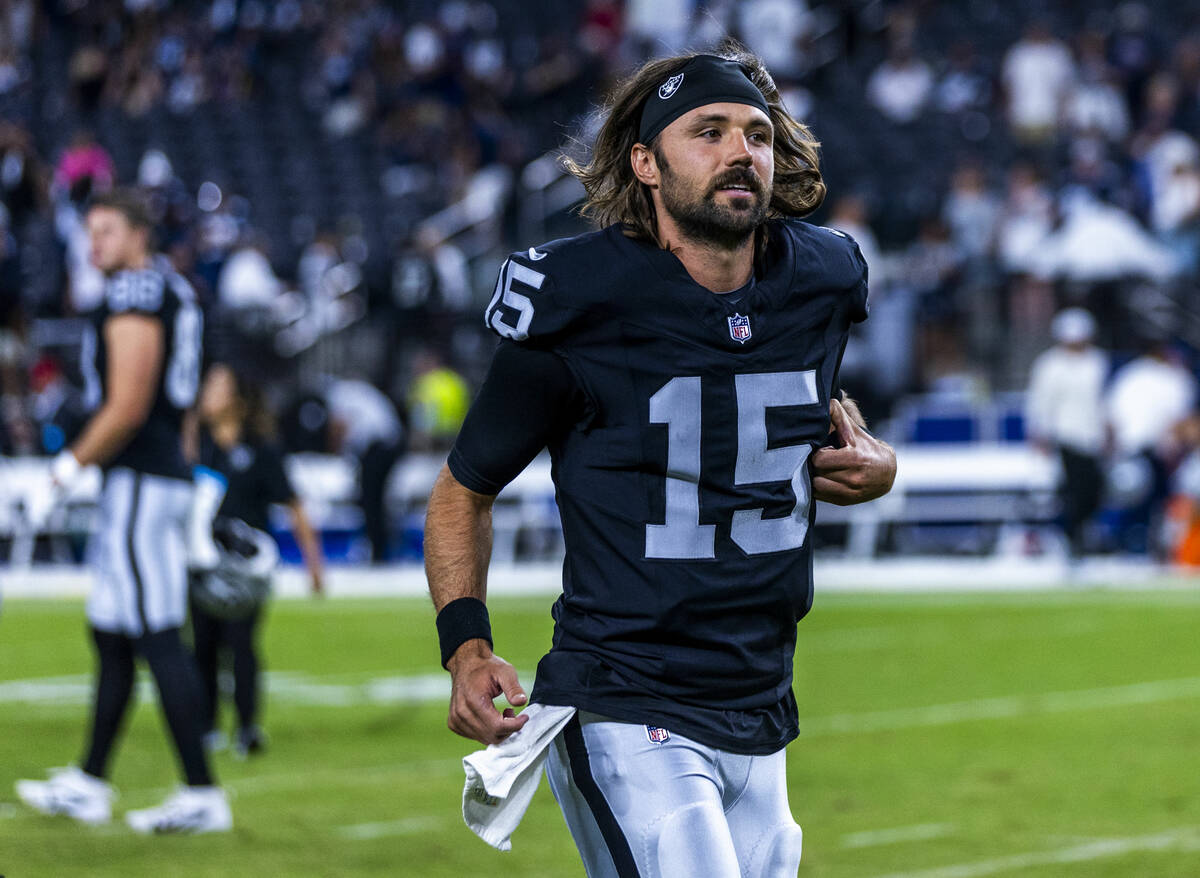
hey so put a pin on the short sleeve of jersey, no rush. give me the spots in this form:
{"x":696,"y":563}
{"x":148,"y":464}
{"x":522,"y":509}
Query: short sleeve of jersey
{"x":274,"y":482}
{"x":528,"y":303}
{"x":528,"y":397}
{"x":135,"y":292}
{"x":859,"y":309}
{"x":856,"y":268}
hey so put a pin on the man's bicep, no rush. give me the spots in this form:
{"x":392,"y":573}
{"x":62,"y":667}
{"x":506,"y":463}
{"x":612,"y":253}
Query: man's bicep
{"x":528,"y":397}
{"x":134,"y":345}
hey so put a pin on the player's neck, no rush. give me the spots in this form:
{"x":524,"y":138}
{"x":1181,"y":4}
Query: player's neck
{"x":714,"y":268}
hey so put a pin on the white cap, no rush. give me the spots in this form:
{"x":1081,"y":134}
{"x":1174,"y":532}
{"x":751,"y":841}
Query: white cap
{"x":1072,"y":326}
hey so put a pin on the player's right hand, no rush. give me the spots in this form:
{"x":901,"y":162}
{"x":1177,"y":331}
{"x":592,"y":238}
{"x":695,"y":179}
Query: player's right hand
{"x":477,"y":676}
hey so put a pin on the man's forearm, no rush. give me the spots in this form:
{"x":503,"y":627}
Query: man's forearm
{"x":306,"y":539}
{"x":458,"y":542}
{"x":103,"y":437}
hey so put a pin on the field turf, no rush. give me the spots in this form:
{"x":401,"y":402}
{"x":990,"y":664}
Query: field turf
{"x":943,"y":736}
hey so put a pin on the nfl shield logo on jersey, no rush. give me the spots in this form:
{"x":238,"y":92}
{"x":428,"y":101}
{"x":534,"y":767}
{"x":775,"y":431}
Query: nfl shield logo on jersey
{"x":657,"y":735}
{"x":739,"y":328}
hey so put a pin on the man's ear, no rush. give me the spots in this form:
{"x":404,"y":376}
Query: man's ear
{"x":645,"y":166}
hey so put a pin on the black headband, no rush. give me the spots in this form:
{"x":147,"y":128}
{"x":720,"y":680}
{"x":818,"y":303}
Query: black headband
{"x":706,"y":79}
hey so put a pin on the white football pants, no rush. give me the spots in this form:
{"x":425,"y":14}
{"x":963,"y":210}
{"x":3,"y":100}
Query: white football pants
{"x":138,"y":552}
{"x":639,"y":806}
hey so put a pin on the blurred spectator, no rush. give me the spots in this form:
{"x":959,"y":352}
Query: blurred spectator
{"x":247,"y":279}
{"x":437,"y":402}
{"x":849,"y":214}
{"x":364,"y":425}
{"x":1026,"y":220}
{"x":84,"y":163}
{"x":1095,"y":105}
{"x":900,"y":86}
{"x":658,"y":27}
{"x":430,"y":286}
{"x":22,"y":178}
{"x":1160,"y":150}
{"x":16,"y":435}
{"x":1100,"y":242}
{"x":56,"y":406}
{"x":88,"y":71}
{"x":1132,"y":49}
{"x":318,"y":258}
{"x":776,"y":29}
{"x":1148,"y":399}
{"x":971,"y":212}
{"x":85,"y":283}
{"x":1038,"y":74}
{"x":1065,"y":417}
{"x":965,"y":85}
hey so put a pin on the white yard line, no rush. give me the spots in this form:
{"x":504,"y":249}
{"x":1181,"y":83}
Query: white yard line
{"x":875,"y":837}
{"x":1186,"y":839}
{"x":290,"y":687}
{"x":1004,"y":707}
{"x":388,"y":828}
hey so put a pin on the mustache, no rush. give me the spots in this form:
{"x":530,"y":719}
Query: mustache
{"x":738,"y":177}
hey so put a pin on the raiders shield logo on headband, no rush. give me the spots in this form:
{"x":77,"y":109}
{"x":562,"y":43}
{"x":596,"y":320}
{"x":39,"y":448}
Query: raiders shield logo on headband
{"x":671,"y":86}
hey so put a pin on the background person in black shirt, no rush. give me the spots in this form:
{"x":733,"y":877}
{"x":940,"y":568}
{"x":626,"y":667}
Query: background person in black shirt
{"x":234,"y":441}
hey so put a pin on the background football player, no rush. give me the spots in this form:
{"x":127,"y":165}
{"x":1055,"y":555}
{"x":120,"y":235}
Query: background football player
{"x":141,"y":362}
{"x":681,"y":364}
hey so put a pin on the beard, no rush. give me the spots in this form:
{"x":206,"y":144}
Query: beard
{"x":702,"y":219}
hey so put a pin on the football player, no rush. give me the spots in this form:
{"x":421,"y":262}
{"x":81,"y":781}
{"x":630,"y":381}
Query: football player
{"x":681,"y":364}
{"x":141,"y":364}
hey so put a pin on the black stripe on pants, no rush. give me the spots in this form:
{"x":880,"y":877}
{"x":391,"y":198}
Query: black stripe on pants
{"x":130,"y":526}
{"x":581,"y":772}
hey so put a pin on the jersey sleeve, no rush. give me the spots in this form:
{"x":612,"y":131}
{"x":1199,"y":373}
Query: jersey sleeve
{"x":528,"y":397}
{"x":135,"y":292}
{"x":848,"y":271}
{"x":275,"y":484}
{"x":859,"y":309}
{"x":527,"y":305}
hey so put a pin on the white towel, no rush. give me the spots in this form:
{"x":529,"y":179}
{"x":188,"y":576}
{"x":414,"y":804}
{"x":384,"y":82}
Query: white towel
{"x":502,"y":779}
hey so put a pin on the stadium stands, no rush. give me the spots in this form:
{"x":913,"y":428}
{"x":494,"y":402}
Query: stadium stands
{"x":403,"y":149}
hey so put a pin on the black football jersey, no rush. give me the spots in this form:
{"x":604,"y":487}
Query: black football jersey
{"x":684,"y":490}
{"x":254,"y":475}
{"x":161,"y":293}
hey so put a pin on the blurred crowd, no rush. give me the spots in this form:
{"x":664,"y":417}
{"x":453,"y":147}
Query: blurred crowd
{"x":997,"y":162}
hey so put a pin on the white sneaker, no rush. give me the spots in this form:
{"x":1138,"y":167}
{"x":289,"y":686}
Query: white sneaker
{"x":188,"y":810}
{"x":71,"y":792}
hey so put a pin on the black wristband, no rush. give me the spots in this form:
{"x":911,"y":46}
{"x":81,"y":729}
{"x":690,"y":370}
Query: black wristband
{"x":459,"y":621}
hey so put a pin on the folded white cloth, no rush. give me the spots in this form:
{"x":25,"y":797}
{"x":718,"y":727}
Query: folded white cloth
{"x":502,"y":779}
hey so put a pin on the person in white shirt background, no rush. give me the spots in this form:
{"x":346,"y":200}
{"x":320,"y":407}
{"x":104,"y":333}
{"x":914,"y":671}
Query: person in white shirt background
{"x":1065,"y":417}
{"x":1148,"y":400}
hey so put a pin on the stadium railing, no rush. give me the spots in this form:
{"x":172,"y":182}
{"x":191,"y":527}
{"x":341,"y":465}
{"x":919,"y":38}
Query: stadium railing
{"x":967,"y":485}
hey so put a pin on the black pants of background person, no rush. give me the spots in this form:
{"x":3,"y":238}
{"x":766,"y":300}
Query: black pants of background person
{"x":1081,"y":492}
{"x":209,"y":634}
{"x":1142,"y":522}
{"x":374,"y":467}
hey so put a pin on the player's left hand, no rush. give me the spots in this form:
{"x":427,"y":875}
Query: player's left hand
{"x":61,"y":475}
{"x":862,"y":469}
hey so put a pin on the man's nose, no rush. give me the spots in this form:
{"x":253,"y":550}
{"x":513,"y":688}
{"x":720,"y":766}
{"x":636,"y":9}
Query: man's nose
{"x":739,"y":151}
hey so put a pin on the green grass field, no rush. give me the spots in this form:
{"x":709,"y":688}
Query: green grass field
{"x":1033,"y":735}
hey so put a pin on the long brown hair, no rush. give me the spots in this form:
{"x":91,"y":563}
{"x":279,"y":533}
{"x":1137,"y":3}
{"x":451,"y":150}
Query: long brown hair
{"x":614,"y":194}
